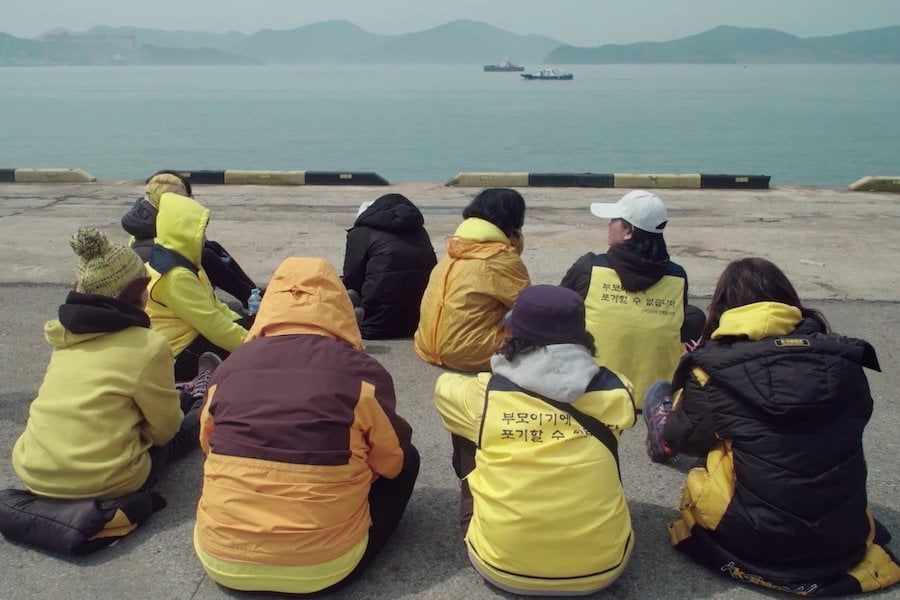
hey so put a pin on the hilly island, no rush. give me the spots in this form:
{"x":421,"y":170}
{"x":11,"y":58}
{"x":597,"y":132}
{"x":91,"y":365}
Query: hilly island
{"x":457,"y":42}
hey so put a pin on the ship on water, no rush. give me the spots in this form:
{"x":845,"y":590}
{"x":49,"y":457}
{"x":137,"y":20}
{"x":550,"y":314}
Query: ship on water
{"x":503,"y":66}
{"x":549,"y":74}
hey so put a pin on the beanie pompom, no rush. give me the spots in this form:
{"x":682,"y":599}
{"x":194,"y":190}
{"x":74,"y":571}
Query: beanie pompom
{"x":89,"y":243}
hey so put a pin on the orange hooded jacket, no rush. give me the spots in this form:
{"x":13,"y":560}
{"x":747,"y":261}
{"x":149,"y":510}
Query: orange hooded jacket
{"x":298,"y":422}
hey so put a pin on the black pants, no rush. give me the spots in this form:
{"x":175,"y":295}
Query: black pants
{"x":463,"y":464}
{"x":186,"y":439}
{"x":186,"y":361}
{"x":387,"y":502}
{"x":225,"y":273}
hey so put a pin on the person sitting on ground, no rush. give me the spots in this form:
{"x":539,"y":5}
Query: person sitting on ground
{"x":536,"y":449}
{"x":182,"y":304}
{"x":778,"y":406}
{"x":107,"y":417}
{"x":387,"y":262}
{"x":635,"y":296}
{"x":309,"y":468}
{"x":222,"y":269}
{"x":474,"y":284}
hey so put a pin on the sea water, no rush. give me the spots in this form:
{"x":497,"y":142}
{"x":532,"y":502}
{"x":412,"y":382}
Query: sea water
{"x":802,"y":124}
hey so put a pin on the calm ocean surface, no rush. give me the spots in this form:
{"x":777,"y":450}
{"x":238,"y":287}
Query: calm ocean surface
{"x":809,"y":124}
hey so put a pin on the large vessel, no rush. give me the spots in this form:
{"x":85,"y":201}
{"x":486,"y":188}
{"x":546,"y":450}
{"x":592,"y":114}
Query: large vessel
{"x":503,"y":66}
{"x":549,"y":73}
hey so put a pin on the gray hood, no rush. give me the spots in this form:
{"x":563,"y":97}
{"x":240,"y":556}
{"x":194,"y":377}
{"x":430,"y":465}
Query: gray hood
{"x":560,"y":372}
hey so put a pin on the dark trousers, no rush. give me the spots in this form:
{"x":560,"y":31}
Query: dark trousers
{"x":225,"y":273}
{"x":186,"y":361}
{"x":387,"y":502}
{"x":186,"y":439}
{"x":463,"y":464}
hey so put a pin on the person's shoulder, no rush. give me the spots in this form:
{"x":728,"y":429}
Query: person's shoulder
{"x":676,"y":270}
{"x":154,"y":342}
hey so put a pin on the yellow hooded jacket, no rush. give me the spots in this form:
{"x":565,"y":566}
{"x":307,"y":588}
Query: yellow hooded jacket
{"x":469,"y":291}
{"x":297,"y":424}
{"x":106,"y":398}
{"x":549,"y":512}
{"x":183,"y":305}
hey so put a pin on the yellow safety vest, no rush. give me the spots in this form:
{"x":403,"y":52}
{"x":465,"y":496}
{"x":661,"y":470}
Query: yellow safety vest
{"x":637,"y":334}
{"x":549,"y":511}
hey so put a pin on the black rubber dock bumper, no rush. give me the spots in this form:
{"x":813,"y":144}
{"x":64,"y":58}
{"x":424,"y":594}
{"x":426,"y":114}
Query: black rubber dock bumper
{"x":344,"y":178}
{"x":672,"y":181}
{"x":241,"y":177}
{"x":588,"y":180}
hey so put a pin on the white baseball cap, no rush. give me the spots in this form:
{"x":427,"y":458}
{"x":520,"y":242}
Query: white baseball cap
{"x":642,"y":209}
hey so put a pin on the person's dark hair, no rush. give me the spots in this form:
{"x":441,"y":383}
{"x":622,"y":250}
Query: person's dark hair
{"x":750,"y":280}
{"x":503,"y":207}
{"x":184,"y":180}
{"x":515,"y":346}
{"x":646,"y":244}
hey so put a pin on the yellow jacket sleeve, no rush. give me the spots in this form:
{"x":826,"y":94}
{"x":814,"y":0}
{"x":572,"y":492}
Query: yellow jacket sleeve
{"x":207,"y":424}
{"x":158,"y":399}
{"x":185,"y":296}
{"x":460,"y":402}
{"x":386,"y":434}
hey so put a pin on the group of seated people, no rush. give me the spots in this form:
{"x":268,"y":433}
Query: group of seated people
{"x":309,"y":467}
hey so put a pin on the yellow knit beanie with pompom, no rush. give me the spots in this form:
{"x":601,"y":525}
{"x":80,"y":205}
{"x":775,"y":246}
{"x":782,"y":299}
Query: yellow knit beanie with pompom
{"x":103,"y":267}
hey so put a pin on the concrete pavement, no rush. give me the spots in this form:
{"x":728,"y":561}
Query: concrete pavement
{"x":840,"y":249}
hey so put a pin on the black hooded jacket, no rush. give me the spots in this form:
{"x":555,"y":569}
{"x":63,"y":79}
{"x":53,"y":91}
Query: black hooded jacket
{"x":388,"y":260}
{"x":636,"y":272}
{"x":793,"y":408}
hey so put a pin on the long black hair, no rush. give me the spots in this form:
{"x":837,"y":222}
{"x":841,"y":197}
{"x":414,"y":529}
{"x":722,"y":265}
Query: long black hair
{"x":751,"y":280}
{"x":646,"y":244}
{"x":503,"y":207}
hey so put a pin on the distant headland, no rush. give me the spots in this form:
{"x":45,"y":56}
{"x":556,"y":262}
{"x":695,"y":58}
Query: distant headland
{"x":458,"y":42}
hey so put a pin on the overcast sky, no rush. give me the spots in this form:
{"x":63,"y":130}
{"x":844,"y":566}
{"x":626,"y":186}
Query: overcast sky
{"x":579,"y":22}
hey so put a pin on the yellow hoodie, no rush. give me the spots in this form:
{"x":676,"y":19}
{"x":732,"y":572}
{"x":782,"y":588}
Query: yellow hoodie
{"x":182,"y":305}
{"x":469,"y":291}
{"x":106,"y":398}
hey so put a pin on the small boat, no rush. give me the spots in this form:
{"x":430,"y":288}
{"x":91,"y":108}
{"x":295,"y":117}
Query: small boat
{"x":503,"y":66}
{"x":550,"y":74}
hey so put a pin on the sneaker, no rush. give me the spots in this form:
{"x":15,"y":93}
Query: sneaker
{"x":657,"y":405}
{"x":206,"y":366}
{"x":208,"y":361}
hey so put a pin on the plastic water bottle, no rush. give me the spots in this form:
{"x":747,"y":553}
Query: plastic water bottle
{"x":253,"y":301}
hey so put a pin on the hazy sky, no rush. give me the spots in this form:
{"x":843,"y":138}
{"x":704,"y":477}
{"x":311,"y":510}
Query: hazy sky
{"x":579,"y":22}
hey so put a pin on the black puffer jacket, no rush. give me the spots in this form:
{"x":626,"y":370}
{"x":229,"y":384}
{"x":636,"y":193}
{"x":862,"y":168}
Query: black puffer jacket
{"x":780,"y":407}
{"x":388,"y":260}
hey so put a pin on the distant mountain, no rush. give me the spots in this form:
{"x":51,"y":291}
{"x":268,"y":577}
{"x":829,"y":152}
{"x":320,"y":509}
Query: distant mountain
{"x":14,"y":50}
{"x":329,"y":41}
{"x":463,"y":42}
{"x":148,"y":54}
{"x":726,"y":44}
